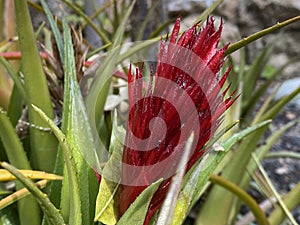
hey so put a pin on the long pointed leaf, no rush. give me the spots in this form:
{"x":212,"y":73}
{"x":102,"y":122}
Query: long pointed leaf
{"x":32,"y":174}
{"x":97,"y":95}
{"x":43,"y":145}
{"x":55,"y":30}
{"x":71,"y":168}
{"x":28,"y":207}
{"x":262,"y":151}
{"x":254,"y":72}
{"x":88,"y":20}
{"x":107,"y":210}
{"x":77,"y":129}
{"x":14,"y":76}
{"x":273,"y":190}
{"x":197,"y":180}
{"x":137,"y":211}
{"x":240,"y":160}
{"x":20,"y":194}
{"x":48,"y":208}
{"x":291,"y":200}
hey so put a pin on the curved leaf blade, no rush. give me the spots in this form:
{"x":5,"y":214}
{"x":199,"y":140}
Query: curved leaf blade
{"x":107,"y":210}
{"x":197,"y":180}
{"x":136,"y":213}
{"x":71,"y":168}
{"x":54,"y":217}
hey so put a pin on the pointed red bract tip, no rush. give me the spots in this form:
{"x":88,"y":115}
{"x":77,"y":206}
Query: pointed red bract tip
{"x":175,"y":31}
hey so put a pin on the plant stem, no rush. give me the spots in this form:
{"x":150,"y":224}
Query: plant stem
{"x":248,"y":200}
{"x":245,"y":41}
{"x":283,"y":154}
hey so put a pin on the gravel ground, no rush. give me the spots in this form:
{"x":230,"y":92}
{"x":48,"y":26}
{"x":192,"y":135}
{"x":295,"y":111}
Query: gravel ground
{"x":285,"y":172}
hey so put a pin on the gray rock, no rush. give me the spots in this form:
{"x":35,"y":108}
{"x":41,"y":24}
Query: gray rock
{"x":288,"y":87}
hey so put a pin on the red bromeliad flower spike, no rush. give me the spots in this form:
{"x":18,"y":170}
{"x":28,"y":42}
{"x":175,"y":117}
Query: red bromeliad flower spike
{"x":184,"y":96}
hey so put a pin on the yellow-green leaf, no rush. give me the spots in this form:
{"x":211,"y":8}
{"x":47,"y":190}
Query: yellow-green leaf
{"x":106,"y":205}
{"x":108,"y":196}
{"x":5,"y":175}
{"x":136,"y":213}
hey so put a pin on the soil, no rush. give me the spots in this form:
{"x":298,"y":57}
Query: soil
{"x":285,"y":172}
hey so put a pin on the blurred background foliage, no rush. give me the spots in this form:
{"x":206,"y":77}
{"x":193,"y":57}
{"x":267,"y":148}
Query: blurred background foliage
{"x":57,"y":59}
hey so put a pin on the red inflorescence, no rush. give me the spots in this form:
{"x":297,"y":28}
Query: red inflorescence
{"x":191,"y":62}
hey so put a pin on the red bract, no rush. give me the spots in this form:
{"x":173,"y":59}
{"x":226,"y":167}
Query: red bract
{"x":183,"y":97}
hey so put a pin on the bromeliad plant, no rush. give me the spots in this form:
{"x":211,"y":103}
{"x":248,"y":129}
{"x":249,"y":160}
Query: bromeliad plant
{"x":156,"y":169}
{"x":186,"y":94}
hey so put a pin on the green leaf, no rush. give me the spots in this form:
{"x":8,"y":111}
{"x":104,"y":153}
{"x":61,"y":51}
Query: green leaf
{"x":291,"y":200}
{"x":97,"y":13}
{"x":97,"y":95}
{"x":107,"y":210}
{"x":273,"y":190}
{"x":18,"y":95}
{"x":28,"y":207}
{"x":137,"y":211}
{"x":107,"y":202}
{"x":72,"y":173}
{"x":43,"y":145}
{"x":254,"y":72}
{"x":55,"y":187}
{"x":138,"y":47}
{"x":200,"y":173}
{"x":262,"y":151}
{"x":160,"y":28}
{"x":284,"y":154}
{"x":55,"y":30}
{"x":240,"y":160}
{"x":257,"y":95}
{"x":146,"y":20}
{"x":268,"y":72}
{"x":274,"y":110}
{"x":13,"y":146}
{"x":15,"y":108}
{"x":78,"y":135}
{"x":54,"y":217}
{"x":14,"y":76}
{"x":88,"y":21}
